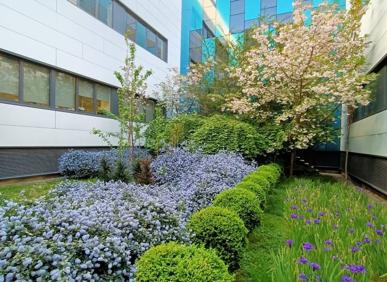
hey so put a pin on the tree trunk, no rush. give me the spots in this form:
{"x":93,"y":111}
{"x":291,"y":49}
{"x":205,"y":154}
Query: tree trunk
{"x":292,"y":157}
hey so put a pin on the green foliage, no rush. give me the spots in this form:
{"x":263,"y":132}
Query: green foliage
{"x":181,"y":127}
{"x":173,"y":262}
{"x":259,"y":191}
{"x":105,"y":173}
{"x":174,"y":132}
{"x":221,"y":229}
{"x":121,"y":172}
{"x":244,"y":203}
{"x":258,"y":179}
{"x":155,"y":134}
{"x":224,"y":133}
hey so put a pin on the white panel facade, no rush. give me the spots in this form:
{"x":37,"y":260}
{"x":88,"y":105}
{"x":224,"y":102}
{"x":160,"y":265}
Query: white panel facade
{"x":59,"y":34}
{"x":369,"y":135}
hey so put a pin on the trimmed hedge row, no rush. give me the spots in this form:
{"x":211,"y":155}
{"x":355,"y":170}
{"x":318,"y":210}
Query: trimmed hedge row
{"x":222,"y":228}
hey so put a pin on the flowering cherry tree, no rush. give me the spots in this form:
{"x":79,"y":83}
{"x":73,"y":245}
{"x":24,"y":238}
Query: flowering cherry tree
{"x":298,"y":74}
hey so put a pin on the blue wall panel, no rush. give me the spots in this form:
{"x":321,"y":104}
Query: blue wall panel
{"x":284,"y":6}
{"x":252,"y":9}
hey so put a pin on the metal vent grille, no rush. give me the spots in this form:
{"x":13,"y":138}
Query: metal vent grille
{"x":22,"y":162}
{"x":371,"y":170}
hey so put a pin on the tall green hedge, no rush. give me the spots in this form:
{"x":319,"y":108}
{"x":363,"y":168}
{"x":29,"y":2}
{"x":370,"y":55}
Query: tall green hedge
{"x":224,"y":133}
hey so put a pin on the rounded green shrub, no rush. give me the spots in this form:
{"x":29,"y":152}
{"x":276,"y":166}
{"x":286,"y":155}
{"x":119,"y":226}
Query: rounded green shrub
{"x":258,"y":179}
{"x":244,"y":203}
{"x":258,"y":190}
{"x":173,"y":262}
{"x":223,"y":133}
{"x":273,"y":168}
{"x":271,"y":176}
{"x":221,"y":229}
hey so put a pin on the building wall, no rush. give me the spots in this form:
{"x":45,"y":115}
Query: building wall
{"x":59,"y":34}
{"x":369,"y":135}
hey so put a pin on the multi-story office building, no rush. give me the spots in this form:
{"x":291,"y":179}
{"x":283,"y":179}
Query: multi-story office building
{"x":368,"y":130}
{"x":57,"y":63}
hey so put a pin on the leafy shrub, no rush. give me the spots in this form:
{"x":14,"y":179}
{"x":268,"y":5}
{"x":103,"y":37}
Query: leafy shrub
{"x":199,"y":177}
{"x":222,"y":133}
{"x":259,"y":192}
{"x":155,"y":134}
{"x":105,"y":172}
{"x":180,"y":128}
{"x":258,"y":179}
{"x":221,"y":229}
{"x":174,"y":262}
{"x":244,"y":203}
{"x":121,"y":172}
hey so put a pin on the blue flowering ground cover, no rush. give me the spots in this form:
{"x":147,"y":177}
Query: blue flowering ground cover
{"x":95,"y":231}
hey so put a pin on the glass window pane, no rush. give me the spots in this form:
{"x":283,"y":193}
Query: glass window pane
{"x":103,"y":98}
{"x":237,"y":23}
{"x":150,"y":41}
{"x":140,"y":34}
{"x":268,"y":3}
{"x":285,"y":18}
{"x":88,"y":6}
{"x":86,"y":101}
{"x":105,"y":12}
{"x":36,"y":84}
{"x":237,"y":7}
{"x":119,"y":21}
{"x":9,"y":79}
{"x":150,"y":111}
{"x":64,"y":91}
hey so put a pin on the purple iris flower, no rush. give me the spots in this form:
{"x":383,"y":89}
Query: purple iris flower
{"x":294,"y":207}
{"x":379,"y":232}
{"x":303,"y":260}
{"x":329,"y":242}
{"x":294,"y":216}
{"x":308,"y":222}
{"x":356,"y":268}
{"x":302,"y":277}
{"x":370,"y":206}
{"x":355,"y":249}
{"x":289,"y":243}
{"x":369,"y":224}
{"x":315,"y":266}
{"x":321,"y":213}
{"x":347,"y":278}
{"x":309,"y":210}
{"x":307,"y":246}
{"x":317,"y":221}
{"x":366,"y":240}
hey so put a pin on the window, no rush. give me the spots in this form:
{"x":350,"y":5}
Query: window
{"x":104,"y":11}
{"x":64,"y":91}
{"x":103,"y":94}
{"x":88,"y":6}
{"x":122,"y":20}
{"x":379,"y":95}
{"x":285,"y":18}
{"x":150,"y":41}
{"x":237,"y":7}
{"x":36,"y":84}
{"x":237,"y":23}
{"x":9,"y":79}
{"x":85,"y":96}
{"x":150,"y":111}
{"x":268,"y":4}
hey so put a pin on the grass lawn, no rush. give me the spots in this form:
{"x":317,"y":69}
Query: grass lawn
{"x":27,"y":191}
{"x":317,"y":229}
{"x":257,"y":260}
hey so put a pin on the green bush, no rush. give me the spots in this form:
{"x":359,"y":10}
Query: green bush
{"x":259,"y":191}
{"x":161,"y":132}
{"x":221,"y":229}
{"x":173,"y":262}
{"x":224,"y":133}
{"x":259,"y":179}
{"x":181,"y":127}
{"x":155,"y":134}
{"x":244,"y":203}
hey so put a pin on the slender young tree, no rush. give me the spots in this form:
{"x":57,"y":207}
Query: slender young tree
{"x":131,"y":100}
{"x":298,"y":74}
